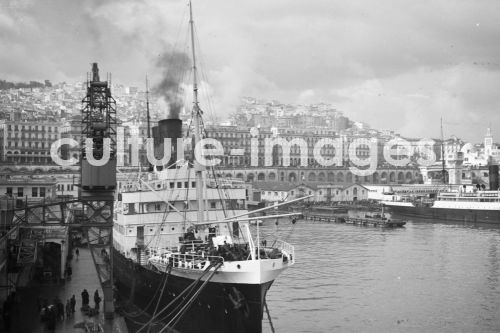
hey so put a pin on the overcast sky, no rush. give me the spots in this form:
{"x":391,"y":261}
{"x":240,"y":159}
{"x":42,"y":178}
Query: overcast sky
{"x":395,"y":64}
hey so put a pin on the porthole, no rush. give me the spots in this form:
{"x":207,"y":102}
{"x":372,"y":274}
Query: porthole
{"x":239,"y":266}
{"x":173,"y":228}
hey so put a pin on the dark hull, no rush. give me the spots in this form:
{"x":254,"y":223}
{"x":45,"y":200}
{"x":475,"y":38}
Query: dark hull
{"x":212,"y":311}
{"x":461,"y":215}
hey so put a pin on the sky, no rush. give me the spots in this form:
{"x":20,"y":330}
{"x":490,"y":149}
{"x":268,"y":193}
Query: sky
{"x":394,"y":64}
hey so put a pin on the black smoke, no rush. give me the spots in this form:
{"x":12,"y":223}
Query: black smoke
{"x":174,"y":67}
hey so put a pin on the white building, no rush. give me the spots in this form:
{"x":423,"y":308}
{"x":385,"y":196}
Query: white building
{"x":329,"y":192}
{"x":273,"y":191}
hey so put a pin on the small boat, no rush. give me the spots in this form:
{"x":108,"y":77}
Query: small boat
{"x":380,"y":221}
{"x":376,"y":220}
{"x":257,"y":222}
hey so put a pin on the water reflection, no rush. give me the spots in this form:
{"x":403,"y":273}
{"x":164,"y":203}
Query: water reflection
{"x":432,"y":277}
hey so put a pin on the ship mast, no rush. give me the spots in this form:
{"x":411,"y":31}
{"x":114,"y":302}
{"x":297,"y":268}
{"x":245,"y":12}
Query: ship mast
{"x":196,"y":117}
{"x":147,"y":108}
{"x":442,"y":153}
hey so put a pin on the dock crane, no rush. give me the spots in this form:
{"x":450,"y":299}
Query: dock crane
{"x":98,"y":178}
{"x":92,"y":211}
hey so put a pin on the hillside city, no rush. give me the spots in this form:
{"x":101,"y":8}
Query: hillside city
{"x":33,"y":116}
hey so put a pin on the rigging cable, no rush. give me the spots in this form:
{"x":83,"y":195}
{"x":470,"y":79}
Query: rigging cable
{"x":161,"y":294}
{"x":186,"y":290}
{"x":179,"y":315}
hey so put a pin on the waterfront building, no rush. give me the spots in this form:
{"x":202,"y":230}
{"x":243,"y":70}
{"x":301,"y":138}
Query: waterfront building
{"x":273,"y":191}
{"x":236,"y":137}
{"x":72,"y":129}
{"x":328,"y":192}
{"x":3,"y":139}
{"x":67,"y":185}
{"x":22,"y":189}
{"x":27,"y":140}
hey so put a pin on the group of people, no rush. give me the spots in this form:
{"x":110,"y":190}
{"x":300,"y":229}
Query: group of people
{"x":56,"y":312}
{"x":86,"y":299}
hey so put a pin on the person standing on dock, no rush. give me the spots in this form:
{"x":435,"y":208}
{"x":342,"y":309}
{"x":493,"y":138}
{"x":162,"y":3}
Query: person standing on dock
{"x":7,"y":313}
{"x":68,"y":309}
{"x":60,"y":310}
{"x":72,"y":302}
{"x":85,"y":298}
{"x":51,"y":319}
{"x":77,"y":253}
{"x":97,"y":299}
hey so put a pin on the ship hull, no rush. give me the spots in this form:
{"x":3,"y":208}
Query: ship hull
{"x":448,"y":214}
{"x":214,"y":310}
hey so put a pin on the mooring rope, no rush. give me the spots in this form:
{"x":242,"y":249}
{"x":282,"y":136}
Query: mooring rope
{"x":188,"y":288}
{"x":269,"y":316}
{"x":179,"y":315}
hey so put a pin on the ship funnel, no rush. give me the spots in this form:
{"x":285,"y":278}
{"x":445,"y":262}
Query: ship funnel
{"x":168,"y":128}
{"x":156,"y":137}
{"x":493,"y":176}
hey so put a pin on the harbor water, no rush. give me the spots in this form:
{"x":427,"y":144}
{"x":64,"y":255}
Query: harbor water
{"x":424,"y":277}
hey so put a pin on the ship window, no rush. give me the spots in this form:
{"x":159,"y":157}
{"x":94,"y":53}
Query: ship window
{"x":212,"y":205}
{"x":150,"y":230}
{"x":193,"y":184}
{"x":186,"y":184}
{"x":161,"y":229}
{"x":173,"y":228}
{"x":179,"y":184}
{"x":172,"y":184}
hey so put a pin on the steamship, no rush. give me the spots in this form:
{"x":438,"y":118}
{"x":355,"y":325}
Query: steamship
{"x":184,"y":249}
{"x":464,"y":204}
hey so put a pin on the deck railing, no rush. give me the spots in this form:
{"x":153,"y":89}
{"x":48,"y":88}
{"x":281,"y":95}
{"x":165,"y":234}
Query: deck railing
{"x":187,"y":260}
{"x":285,"y":248}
